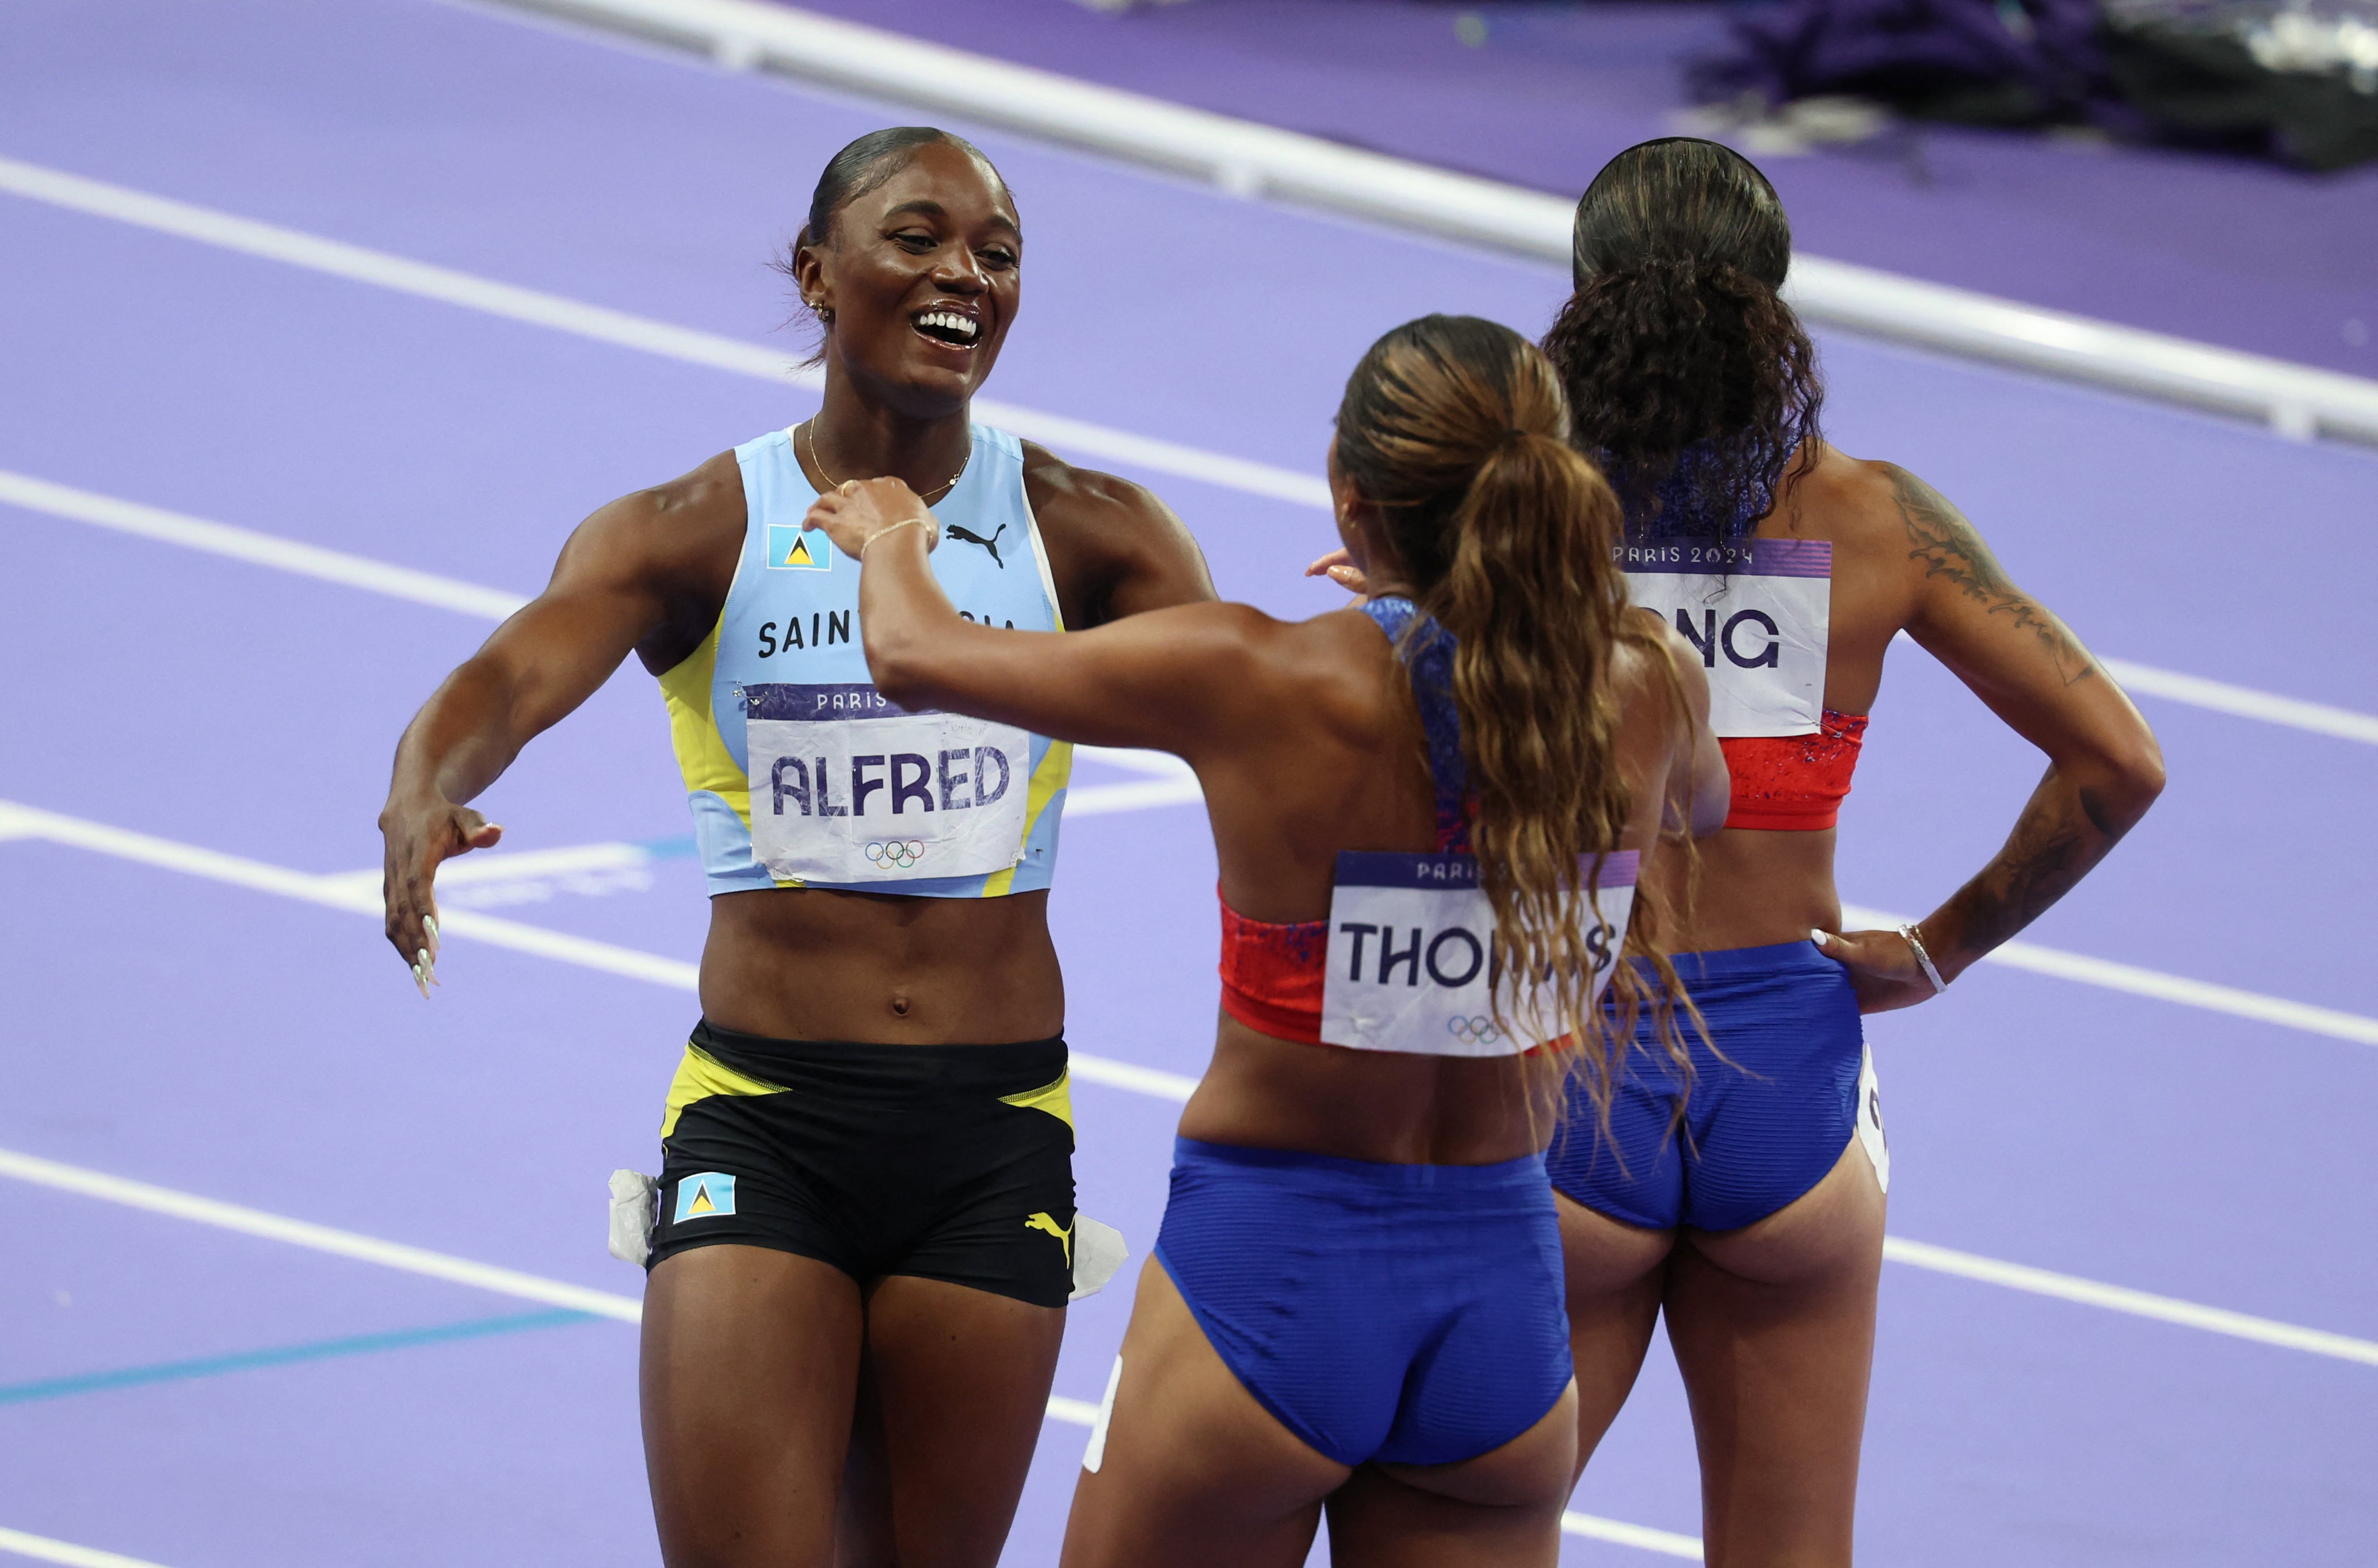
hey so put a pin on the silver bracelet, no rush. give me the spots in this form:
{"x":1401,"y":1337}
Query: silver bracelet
{"x":1916,"y":942}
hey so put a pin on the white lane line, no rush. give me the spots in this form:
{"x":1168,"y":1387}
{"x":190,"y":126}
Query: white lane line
{"x":258,"y":549}
{"x":362,"y":265}
{"x":358,"y":893}
{"x":344,"y":891}
{"x":2243,"y":702}
{"x":319,"y":1238}
{"x":1617,"y":1532}
{"x":84,"y":1182}
{"x":2139,"y":982}
{"x":17,"y":821}
{"x":1643,"y":1537}
{"x":42,"y":1549}
{"x":2121,"y":1299}
{"x":25,"y":491}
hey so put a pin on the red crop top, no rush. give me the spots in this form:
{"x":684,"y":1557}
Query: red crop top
{"x":1272,"y":975}
{"x":1793,"y":781}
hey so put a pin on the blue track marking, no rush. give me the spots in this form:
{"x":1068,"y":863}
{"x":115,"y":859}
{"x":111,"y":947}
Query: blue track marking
{"x":286,"y":1355}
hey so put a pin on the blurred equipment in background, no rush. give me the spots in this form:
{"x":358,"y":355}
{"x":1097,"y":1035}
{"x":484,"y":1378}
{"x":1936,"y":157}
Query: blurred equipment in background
{"x":2299,"y":80}
{"x":2296,"y":80}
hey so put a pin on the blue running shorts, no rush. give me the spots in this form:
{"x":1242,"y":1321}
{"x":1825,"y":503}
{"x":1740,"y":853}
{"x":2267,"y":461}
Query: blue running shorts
{"x":1408,"y":1313}
{"x":1760,"y":1128}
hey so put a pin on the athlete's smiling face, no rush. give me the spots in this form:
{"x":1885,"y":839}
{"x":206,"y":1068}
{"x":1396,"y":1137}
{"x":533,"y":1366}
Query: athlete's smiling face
{"x":921,"y":278}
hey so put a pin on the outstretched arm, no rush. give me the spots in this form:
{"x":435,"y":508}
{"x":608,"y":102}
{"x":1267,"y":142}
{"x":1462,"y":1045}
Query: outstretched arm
{"x":622,"y":575}
{"x":2104,"y":767}
{"x":1154,"y":679}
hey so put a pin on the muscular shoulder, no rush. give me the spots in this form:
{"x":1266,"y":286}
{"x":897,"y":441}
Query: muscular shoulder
{"x":1113,"y":548}
{"x":1850,"y":500}
{"x":685,"y":529}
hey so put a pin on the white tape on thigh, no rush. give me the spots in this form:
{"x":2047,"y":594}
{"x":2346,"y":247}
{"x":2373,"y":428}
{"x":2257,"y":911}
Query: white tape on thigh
{"x":1869,"y":1120}
{"x":1096,"y":1454}
{"x":1099,"y":1251}
{"x":634,"y":1198}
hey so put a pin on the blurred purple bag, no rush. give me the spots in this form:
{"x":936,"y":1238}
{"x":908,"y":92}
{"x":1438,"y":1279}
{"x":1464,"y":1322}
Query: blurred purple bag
{"x":1987,"y":62}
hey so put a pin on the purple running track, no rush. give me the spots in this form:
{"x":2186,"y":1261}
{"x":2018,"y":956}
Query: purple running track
{"x":223,"y":1041}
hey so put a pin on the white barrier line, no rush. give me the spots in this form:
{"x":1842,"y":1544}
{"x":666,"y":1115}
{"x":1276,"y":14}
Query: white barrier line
{"x":2136,"y":1303}
{"x":444,"y":284}
{"x":2130,"y":978}
{"x":316,"y":1238}
{"x":1248,"y":159}
{"x":42,"y":1549}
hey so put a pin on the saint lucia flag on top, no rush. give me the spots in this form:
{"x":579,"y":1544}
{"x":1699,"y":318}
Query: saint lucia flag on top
{"x":790,"y":549}
{"x":701,"y":1195}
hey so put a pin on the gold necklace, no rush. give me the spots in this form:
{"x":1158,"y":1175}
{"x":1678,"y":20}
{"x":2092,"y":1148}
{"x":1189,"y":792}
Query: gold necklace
{"x":808,"y":434}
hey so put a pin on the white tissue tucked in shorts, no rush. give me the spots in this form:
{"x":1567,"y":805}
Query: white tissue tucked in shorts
{"x":634,"y":1197}
{"x":1099,"y":1251}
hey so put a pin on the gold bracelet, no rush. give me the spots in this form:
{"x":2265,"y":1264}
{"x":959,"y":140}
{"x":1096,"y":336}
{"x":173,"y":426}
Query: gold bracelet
{"x":903,"y":522}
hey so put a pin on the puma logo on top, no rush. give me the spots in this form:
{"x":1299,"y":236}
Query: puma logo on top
{"x":956,"y":530}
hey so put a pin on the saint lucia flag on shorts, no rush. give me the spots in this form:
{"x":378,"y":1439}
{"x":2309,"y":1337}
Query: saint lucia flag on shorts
{"x":702,"y":1195}
{"x":791,"y":549}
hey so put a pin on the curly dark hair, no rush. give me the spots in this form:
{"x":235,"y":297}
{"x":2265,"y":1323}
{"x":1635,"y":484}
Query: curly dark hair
{"x":1689,"y":380}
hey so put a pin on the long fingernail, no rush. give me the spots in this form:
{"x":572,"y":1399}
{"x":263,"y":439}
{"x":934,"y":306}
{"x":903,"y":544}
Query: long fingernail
{"x":1817,"y":937}
{"x":429,"y":928}
{"x":428,"y":967}
{"x":421,"y":983}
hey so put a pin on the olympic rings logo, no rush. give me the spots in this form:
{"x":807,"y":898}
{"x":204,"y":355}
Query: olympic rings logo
{"x":1479,"y":1031}
{"x":896,"y":855}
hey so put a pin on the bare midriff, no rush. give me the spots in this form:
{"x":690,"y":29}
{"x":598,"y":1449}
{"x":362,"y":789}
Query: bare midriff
{"x":883,"y":969}
{"x":1756,"y":888}
{"x":1267,"y":1092}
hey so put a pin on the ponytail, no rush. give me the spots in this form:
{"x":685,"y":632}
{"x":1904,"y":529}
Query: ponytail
{"x":1457,"y":430}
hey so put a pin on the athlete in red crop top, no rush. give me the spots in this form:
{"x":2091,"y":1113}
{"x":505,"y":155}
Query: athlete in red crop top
{"x":1757,"y":1229}
{"x":1406,"y":1361}
{"x":1760,"y":1234}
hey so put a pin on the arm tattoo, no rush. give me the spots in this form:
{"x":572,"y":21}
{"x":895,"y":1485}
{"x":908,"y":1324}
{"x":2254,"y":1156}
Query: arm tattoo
{"x":1939,"y":537}
{"x":2047,"y":853}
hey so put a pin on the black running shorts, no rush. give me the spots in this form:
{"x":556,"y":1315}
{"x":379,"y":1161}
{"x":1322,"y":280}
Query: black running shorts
{"x":942,"y":1162}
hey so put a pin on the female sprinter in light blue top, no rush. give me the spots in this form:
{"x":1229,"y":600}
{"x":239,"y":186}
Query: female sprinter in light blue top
{"x":865,"y":1229}
{"x":1355,"y":1300}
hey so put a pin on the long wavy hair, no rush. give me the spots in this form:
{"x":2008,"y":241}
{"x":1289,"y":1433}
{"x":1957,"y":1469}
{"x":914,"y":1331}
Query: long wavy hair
{"x":1690,"y":380}
{"x":1456,"y":429}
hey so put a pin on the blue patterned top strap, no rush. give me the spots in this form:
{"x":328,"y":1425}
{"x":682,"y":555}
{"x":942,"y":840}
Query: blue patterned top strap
{"x":1429,"y":657}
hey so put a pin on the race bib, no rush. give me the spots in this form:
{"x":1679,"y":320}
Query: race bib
{"x":849,"y":788}
{"x":1869,"y":1120}
{"x":1412,"y":964}
{"x":1758,"y":613}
